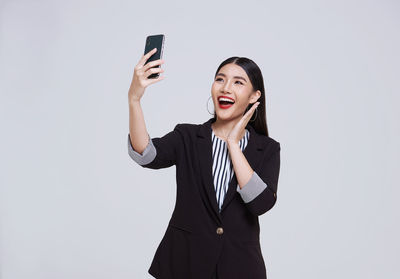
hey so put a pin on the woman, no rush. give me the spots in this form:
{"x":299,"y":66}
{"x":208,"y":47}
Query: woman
{"x":227,"y":171}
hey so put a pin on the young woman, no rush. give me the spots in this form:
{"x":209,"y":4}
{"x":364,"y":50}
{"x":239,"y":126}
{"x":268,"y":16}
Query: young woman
{"x":227,"y":171}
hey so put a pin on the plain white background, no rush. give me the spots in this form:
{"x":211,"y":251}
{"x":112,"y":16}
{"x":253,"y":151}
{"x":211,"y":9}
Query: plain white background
{"x":74,"y":205}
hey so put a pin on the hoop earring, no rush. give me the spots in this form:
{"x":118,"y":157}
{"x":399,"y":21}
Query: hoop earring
{"x":207,"y":106}
{"x":254,"y":117}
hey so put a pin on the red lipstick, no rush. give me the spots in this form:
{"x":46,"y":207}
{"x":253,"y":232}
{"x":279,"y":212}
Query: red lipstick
{"x":224,"y":104}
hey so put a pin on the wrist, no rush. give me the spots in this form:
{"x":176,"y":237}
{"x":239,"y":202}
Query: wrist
{"x":232,"y":144}
{"x":134,"y":101}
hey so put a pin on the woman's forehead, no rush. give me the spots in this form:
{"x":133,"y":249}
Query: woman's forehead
{"x":232,"y":71}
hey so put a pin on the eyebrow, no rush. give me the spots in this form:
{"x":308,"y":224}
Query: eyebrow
{"x":238,"y":77}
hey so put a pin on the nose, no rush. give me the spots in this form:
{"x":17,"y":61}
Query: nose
{"x":227,"y":87}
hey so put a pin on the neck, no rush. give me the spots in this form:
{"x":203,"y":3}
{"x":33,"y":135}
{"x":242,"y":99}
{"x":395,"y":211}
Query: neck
{"x":222,"y":128}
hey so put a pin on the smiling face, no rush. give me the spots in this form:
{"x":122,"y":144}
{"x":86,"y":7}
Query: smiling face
{"x":232,"y":92}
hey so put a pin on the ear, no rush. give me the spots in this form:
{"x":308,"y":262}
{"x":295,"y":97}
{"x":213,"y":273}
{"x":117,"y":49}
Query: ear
{"x":255,"y":96}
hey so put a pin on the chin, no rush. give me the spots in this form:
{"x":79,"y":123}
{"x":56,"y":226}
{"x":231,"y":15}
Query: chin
{"x":225,"y":116}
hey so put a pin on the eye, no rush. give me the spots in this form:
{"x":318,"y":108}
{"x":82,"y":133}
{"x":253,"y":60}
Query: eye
{"x":240,"y":82}
{"x":218,"y":79}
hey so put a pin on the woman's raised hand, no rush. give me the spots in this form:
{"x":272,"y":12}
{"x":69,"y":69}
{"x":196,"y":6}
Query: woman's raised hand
{"x":236,"y":133}
{"x":141,"y":72}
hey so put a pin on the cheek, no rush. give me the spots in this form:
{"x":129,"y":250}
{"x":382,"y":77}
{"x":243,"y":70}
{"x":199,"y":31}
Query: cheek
{"x":241,"y":107}
{"x":242,"y":102}
{"x":244,"y":97}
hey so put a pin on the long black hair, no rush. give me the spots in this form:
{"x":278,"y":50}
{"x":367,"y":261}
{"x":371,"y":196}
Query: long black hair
{"x":257,"y":81}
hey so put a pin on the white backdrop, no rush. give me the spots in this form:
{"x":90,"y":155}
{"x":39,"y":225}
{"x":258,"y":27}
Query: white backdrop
{"x":74,"y":205}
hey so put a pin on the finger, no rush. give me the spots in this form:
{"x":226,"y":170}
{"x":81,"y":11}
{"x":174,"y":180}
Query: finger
{"x":146,"y":56}
{"x":154,"y":80}
{"x":252,"y":109}
{"x":249,"y":113}
{"x":152,"y":64}
{"x":254,"y":106}
{"x":152,"y":71}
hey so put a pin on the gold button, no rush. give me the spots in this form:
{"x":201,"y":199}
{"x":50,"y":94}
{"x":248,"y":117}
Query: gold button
{"x":220,"y":230}
{"x":274,"y":195}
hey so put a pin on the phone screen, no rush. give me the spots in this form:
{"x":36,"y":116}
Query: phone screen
{"x":154,"y":41}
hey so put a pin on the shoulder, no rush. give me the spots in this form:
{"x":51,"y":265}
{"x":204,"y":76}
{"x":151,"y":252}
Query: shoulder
{"x":187,"y":128}
{"x":270,"y":144}
{"x":274,"y":142}
{"x":187,"y":131}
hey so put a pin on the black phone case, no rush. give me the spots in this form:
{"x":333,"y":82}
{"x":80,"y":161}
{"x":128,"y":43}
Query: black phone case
{"x":153,"y":41}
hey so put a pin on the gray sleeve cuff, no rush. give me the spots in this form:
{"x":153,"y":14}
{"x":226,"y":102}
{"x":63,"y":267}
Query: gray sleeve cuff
{"x":146,"y":157}
{"x":252,"y":188}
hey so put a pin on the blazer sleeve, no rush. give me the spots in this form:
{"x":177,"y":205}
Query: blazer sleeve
{"x":259,"y":194}
{"x":160,"y":152}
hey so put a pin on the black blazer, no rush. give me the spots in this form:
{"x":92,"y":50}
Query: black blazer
{"x":199,"y":238}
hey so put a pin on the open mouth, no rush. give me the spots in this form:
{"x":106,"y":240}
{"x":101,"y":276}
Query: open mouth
{"x":225,"y":102}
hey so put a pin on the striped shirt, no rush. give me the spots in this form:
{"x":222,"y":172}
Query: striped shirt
{"x":222,"y":166}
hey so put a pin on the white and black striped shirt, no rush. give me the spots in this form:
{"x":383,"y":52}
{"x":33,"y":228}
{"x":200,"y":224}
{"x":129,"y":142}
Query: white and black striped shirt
{"x":222,"y":166}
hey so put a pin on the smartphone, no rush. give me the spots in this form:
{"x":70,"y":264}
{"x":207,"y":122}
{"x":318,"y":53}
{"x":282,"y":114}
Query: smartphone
{"x":153,"y":41}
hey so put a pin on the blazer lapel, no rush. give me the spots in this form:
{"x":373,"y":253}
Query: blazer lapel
{"x":252,"y":152}
{"x":204,"y":148}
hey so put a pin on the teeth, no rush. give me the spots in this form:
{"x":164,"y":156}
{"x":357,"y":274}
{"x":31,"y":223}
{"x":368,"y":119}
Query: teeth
{"x":226,"y":99}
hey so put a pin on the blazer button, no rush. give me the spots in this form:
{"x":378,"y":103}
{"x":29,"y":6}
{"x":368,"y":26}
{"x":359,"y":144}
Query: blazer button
{"x":220,"y":230}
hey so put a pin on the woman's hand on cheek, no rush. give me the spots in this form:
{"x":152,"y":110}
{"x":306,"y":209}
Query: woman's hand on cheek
{"x":236,"y":133}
